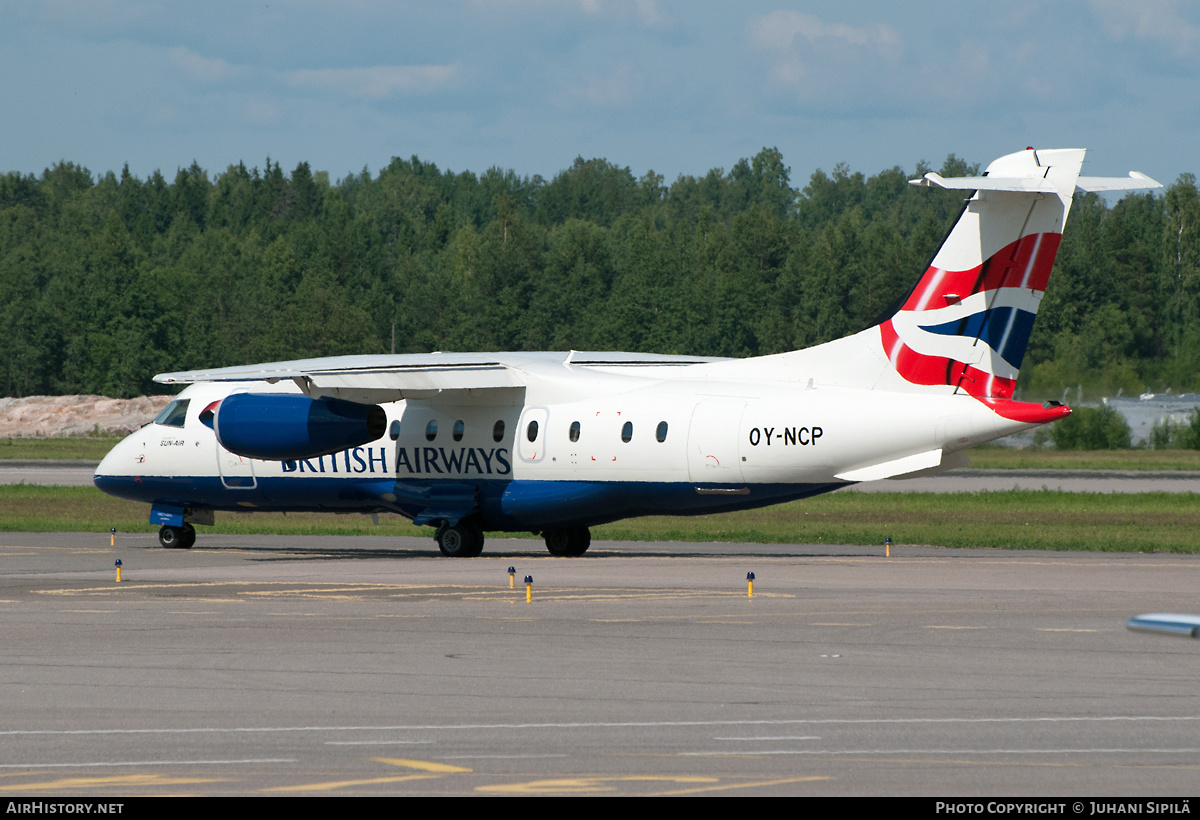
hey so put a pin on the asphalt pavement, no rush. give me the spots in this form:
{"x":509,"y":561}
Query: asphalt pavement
{"x":273,"y":665}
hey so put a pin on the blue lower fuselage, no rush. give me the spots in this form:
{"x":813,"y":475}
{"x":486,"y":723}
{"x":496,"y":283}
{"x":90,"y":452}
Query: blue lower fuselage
{"x":502,"y":505}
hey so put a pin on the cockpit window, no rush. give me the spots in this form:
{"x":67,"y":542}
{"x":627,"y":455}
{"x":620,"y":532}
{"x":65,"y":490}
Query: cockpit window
{"x":173,"y":414}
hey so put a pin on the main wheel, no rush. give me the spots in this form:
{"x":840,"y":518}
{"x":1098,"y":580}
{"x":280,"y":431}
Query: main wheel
{"x":172,"y":538}
{"x":570,"y":543}
{"x":188,"y":538}
{"x":463,"y":540}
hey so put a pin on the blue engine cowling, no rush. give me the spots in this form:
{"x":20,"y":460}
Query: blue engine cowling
{"x":284,"y":427}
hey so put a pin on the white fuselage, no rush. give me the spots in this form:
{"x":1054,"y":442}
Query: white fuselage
{"x":668,"y":438}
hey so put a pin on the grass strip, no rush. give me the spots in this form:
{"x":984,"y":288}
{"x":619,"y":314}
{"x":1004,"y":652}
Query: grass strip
{"x":1009,"y":519}
{"x":89,"y":448}
{"x":1010,"y":458}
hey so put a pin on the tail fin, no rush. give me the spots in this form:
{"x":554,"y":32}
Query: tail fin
{"x":967,"y":322}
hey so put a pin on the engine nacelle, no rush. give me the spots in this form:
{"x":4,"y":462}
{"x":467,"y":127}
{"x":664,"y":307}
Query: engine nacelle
{"x":281,"y":427}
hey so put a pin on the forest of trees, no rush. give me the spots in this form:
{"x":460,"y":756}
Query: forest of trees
{"x":106,"y":281}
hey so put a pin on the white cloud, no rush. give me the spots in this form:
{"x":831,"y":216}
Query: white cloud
{"x":614,"y":89}
{"x":260,"y":112}
{"x":651,"y":14}
{"x":204,"y":69}
{"x":779,"y":30}
{"x":832,"y":66}
{"x":1156,"y":20}
{"x":377,"y":82}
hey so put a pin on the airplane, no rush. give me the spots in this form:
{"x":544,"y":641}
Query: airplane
{"x":1166,"y":623}
{"x":555,"y":443}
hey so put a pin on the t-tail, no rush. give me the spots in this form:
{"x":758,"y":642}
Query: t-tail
{"x":965,"y":326}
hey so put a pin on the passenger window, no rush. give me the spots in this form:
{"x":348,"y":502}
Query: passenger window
{"x":498,"y":431}
{"x":459,"y":427}
{"x":531,"y":432}
{"x":173,"y":414}
{"x":627,"y":432}
{"x":394,"y":430}
{"x":661,"y":432}
{"x":431,"y":430}
{"x":574,"y":434}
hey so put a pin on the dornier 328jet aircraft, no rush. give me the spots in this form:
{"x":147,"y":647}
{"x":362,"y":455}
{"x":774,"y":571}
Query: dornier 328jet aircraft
{"x":555,"y":443}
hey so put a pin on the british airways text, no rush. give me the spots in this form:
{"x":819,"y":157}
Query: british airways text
{"x":409,"y":460}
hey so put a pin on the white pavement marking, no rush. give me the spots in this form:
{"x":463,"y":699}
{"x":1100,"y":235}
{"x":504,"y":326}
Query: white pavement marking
{"x":727,"y":753}
{"x":146,"y":763}
{"x":450,"y":727}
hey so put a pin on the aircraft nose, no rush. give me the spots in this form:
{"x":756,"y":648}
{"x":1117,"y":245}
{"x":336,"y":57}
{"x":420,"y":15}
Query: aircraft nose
{"x":104,"y":483}
{"x":106,"y":465}
{"x":104,"y":478}
{"x":116,"y":470}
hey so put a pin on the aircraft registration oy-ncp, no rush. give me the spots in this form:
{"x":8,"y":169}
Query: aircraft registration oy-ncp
{"x":555,"y":443}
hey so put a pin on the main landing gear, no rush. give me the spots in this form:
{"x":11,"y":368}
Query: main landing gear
{"x":180,"y":538}
{"x":463,"y":540}
{"x":571,"y":542}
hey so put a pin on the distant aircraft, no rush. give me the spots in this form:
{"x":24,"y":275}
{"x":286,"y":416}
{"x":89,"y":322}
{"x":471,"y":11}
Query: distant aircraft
{"x":555,"y":443}
{"x":1167,"y":623}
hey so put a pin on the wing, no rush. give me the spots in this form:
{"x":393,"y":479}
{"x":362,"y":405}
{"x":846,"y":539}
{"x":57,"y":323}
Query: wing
{"x":373,"y":379}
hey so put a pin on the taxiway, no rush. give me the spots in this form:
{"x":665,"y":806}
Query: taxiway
{"x":271,"y":665}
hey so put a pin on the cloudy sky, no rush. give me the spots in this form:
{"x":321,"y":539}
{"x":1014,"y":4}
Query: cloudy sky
{"x":665,"y":85}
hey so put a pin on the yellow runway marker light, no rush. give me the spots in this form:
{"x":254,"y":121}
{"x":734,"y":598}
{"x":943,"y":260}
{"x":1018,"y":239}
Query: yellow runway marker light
{"x":118,"y":570}
{"x":512,"y":577}
{"x":749,"y":584}
{"x":528,"y":589}
{"x":112,"y":537}
{"x":887,"y":543}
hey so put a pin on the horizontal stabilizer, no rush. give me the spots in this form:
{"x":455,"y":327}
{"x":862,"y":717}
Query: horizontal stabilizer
{"x":896,"y":467}
{"x":1018,"y":184}
{"x":1136,"y":181}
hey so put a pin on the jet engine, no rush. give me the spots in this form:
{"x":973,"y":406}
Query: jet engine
{"x":285,"y":427}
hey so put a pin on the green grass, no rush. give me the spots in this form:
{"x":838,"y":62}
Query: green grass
{"x":1008,"y":458}
{"x":90,"y":448}
{"x":1012,"y":519}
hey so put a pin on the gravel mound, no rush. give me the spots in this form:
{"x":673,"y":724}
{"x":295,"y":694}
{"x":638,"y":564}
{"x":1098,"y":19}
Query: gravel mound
{"x":57,"y":416}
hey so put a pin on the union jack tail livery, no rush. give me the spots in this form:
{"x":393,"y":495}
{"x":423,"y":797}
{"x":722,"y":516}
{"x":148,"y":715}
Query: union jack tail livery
{"x":967,"y":322}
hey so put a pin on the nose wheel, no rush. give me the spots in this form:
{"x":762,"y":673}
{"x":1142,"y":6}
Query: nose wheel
{"x":177,"y":538}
